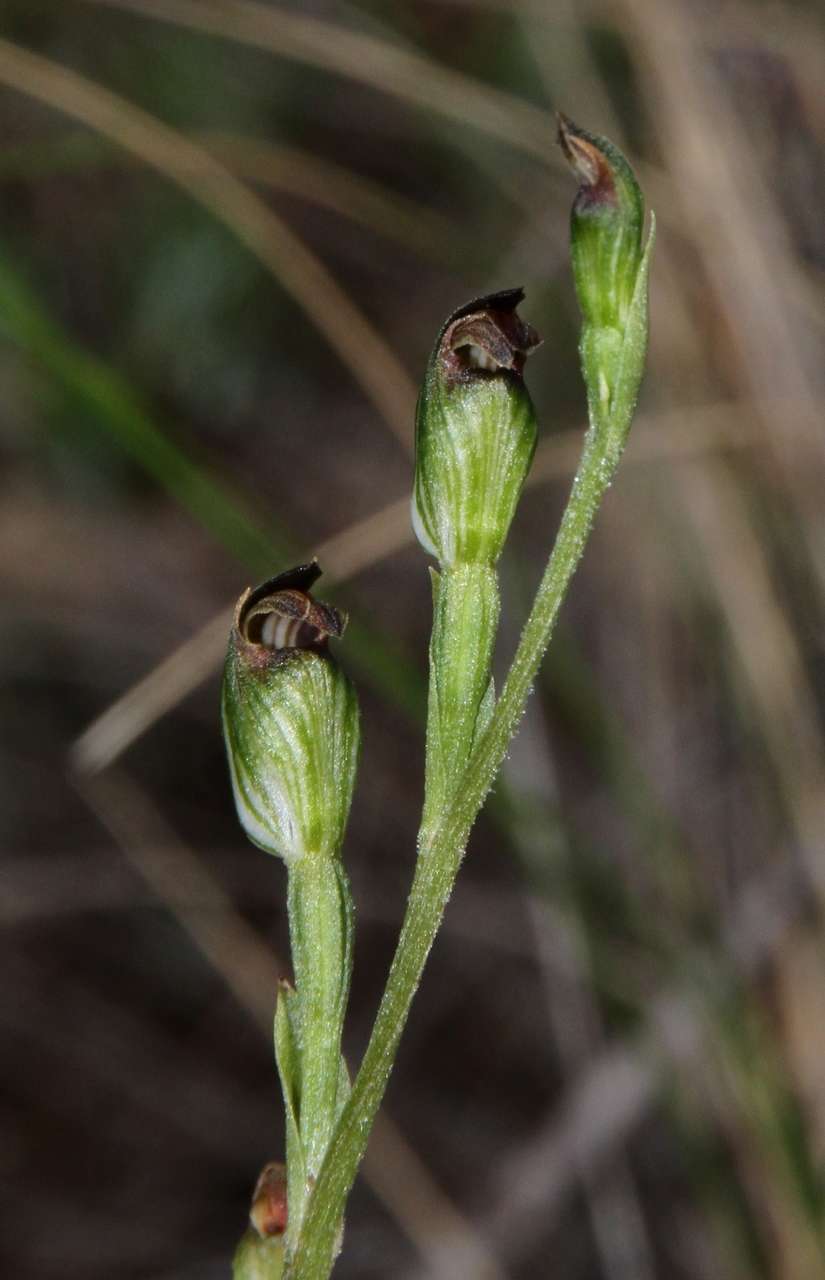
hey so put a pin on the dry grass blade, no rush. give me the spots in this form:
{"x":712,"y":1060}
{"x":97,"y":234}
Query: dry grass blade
{"x":564,"y":951}
{"x":192,"y":168}
{"x":609,"y":1186}
{"x":741,"y":238}
{"x":401,"y":72}
{"x":766,"y":645}
{"x":360,"y":545}
{"x":182,"y":882}
{"x":610,"y":1098}
{"x":670,"y":437}
{"x":564,"y":954}
{"x":250,"y":969}
{"x":794,"y":32}
{"x":443,"y":1234}
{"x":563,"y":54}
{"x":332,"y":186}
{"x":109,"y":735}
{"x":741,"y":1093}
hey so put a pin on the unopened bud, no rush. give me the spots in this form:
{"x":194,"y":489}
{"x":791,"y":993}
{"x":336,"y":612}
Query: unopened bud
{"x":268,"y":1213}
{"x":258,"y":1257}
{"x":290,"y":719}
{"x":610,"y":268}
{"x":475,"y":431}
{"x":605,"y":226}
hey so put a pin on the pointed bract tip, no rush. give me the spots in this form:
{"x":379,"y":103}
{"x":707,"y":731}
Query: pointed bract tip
{"x":592,"y":159}
{"x":605,"y":224}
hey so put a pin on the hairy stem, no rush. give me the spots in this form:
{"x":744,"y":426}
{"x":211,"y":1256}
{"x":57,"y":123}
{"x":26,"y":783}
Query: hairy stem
{"x":439,"y":860}
{"x":321,"y":932}
{"x":465,"y":621}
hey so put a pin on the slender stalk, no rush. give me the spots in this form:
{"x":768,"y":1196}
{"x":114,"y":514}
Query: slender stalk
{"x":438,"y":866}
{"x":613,"y":349}
{"x":465,"y":621}
{"x":309,"y":1022}
{"x":291,"y":720}
{"x":292,"y":733}
{"x":321,"y":933}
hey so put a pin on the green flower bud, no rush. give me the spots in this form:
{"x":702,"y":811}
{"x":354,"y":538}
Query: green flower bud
{"x":475,"y":432}
{"x":605,"y":226}
{"x":290,"y":719}
{"x":257,"y":1258}
{"x":610,"y":268}
{"x":268,"y":1211}
{"x":261,"y":1254}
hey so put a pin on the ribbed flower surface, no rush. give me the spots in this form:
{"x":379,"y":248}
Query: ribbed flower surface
{"x":472,"y":462}
{"x":475,"y":432}
{"x":292,"y":735}
{"x":605,"y":226}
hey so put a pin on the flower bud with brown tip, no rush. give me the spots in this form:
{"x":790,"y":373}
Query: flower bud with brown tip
{"x":475,"y":431}
{"x":610,"y":268}
{"x":290,"y":719}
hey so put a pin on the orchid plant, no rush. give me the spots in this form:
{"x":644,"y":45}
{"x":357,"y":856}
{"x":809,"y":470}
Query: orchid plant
{"x":291,"y":719}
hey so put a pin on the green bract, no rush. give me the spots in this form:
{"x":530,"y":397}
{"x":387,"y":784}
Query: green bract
{"x":475,"y":432}
{"x":290,"y":720}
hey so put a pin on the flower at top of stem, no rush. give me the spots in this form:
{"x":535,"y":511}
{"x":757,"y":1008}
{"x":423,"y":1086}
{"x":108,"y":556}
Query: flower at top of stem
{"x":475,"y":431}
{"x":610,"y":269}
{"x":605,"y":226}
{"x":290,"y":719}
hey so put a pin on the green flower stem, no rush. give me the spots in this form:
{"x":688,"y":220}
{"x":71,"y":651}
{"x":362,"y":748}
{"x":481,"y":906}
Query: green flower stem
{"x":465,"y":621}
{"x":612,"y":392}
{"x":321,"y":925}
{"x":438,"y":865}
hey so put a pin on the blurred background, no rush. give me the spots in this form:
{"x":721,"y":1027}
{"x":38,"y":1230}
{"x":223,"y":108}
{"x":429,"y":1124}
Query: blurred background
{"x":229,"y":232}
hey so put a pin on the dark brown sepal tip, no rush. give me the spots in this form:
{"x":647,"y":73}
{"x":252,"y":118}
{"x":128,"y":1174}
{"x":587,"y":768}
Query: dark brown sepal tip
{"x":589,"y":162}
{"x":487,"y":335}
{"x":280,"y":616}
{"x":303,"y":577}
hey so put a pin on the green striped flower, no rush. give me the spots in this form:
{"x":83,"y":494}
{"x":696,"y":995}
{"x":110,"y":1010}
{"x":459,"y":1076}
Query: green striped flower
{"x":291,"y":725}
{"x":475,"y":432}
{"x":290,"y":719}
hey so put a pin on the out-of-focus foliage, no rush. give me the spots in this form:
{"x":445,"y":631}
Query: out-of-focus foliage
{"x":228,"y":234}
